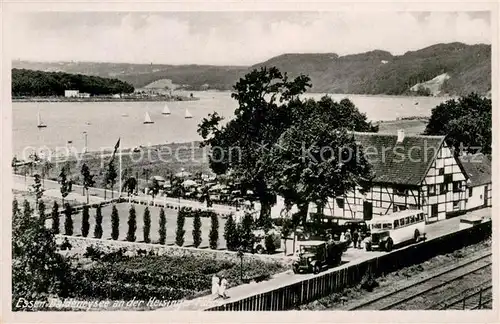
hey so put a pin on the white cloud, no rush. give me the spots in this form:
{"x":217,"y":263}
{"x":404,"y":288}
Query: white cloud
{"x":238,"y":39}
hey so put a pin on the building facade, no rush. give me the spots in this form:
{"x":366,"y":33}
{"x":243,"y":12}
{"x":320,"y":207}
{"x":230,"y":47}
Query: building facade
{"x":71,"y":93}
{"x":478,"y":171}
{"x":411,"y":172}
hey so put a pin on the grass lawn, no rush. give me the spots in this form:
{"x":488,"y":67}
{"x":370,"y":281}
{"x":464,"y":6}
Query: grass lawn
{"x":123,"y":212}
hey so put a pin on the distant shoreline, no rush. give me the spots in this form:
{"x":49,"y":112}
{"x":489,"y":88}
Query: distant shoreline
{"x":106,"y":99}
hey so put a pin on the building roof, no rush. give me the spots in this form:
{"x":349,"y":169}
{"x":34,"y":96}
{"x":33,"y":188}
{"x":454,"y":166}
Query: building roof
{"x":404,"y":163}
{"x":477,"y":169}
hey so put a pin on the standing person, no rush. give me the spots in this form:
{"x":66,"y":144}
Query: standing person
{"x":348,"y":236}
{"x":360,"y":240}
{"x":223,"y":287}
{"x":355,"y":237}
{"x":342,"y":237}
{"x":215,"y":285}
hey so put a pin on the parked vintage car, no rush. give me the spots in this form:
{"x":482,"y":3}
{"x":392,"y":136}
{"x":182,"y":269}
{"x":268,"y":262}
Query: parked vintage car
{"x":313,"y":256}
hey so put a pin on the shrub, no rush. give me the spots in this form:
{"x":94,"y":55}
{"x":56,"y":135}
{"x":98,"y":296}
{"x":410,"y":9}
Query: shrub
{"x":179,"y":234}
{"x":270,"y":243}
{"x":66,"y":245}
{"x":162,"y":231}
{"x":147,"y":225}
{"x":93,"y":253}
{"x":68,"y":221}
{"x":41,"y":210}
{"x":214,"y":232}
{"x":368,"y":282}
{"x":231,"y":234}
{"x":132,"y":224}
{"x":55,"y":218}
{"x":197,"y":230}
{"x":98,"y":223}
{"x":245,"y":232}
{"x":115,"y":223}
{"x":85,"y":221}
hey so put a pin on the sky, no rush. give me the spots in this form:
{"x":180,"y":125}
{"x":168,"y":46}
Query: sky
{"x":233,"y":38}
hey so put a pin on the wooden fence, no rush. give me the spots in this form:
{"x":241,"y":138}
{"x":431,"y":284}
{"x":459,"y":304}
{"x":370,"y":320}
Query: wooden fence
{"x":296,"y":294}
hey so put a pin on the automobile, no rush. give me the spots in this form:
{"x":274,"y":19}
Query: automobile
{"x":358,"y":225}
{"x":394,"y":229}
{"x":313,"y":256}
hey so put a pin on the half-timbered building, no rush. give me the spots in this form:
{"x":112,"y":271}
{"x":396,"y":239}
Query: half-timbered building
{"x":478,"y":171}
{"x":411,"y":172}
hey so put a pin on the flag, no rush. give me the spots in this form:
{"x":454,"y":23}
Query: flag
{"x":117,"y":145}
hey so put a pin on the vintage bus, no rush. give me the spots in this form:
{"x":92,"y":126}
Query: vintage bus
{"x":396,"y":228}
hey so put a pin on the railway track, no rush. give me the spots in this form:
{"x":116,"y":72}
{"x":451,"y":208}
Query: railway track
{"x":398,"y":298}
{"x":474,"y":298}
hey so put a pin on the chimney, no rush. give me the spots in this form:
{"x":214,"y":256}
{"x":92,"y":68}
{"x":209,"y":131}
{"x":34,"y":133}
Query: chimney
{"x":401,"y":135}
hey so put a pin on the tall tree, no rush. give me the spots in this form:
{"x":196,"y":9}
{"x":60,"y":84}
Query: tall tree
{"x":242,"y":145}
{"x":147,"y":225}
{"x":245,"y":232}
{"x":214,"y":231}
{"x":85,"y":221}
{"x":115,"y":223}
{"x":197,"y":230}
{"x":110,"y":177}
{"x":98,"y":222}
{"x":68,"y":220}
{"x":132,"y":224}
{"x":88,"y":179}
{"x":55,"y":218}
{"x":130,"y":185}
{"x":467,"y":123}
{"x":326,"y":162}
{"x":162,"y":229}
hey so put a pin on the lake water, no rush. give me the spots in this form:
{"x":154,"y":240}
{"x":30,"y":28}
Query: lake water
{"x":104,"y":124}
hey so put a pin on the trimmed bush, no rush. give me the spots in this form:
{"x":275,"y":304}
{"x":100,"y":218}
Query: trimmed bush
{"x":85,"y":221}
{"x":179,"y":233}
{"x":98,"y":223}
{"x":162,"y":231}
{"x":197,"y":230}
{"x":55,"y":218}
{"x":231,"y":234}
{"x":68,"y":221}
{"x":147,"y":225}
{"x":132,"y":224}
{"x":115,"y":223}
{"x":214,"y":232}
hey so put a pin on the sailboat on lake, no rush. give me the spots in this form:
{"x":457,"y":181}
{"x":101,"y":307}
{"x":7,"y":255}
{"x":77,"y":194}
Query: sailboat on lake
{"x":165,"y":111}
{"x":147,"y":119}
{"x":40,"y":122}
{"x":188,"y":114}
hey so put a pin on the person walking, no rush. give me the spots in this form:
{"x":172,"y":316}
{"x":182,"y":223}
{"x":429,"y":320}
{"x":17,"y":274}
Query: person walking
{"x":215,"y":285}
{"x":223,"y":287}
{"x":355,"y":237}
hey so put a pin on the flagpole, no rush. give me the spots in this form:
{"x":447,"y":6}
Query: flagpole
{"x":120,"y":172}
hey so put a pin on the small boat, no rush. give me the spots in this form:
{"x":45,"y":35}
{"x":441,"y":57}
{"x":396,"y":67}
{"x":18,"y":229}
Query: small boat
{"x":416,"y":103}
{"x":147,"y":119}
{"x":124,"y":115}
{"x":165,"y":111}
{"x":40,"y":122}
{"x":188,"y":114}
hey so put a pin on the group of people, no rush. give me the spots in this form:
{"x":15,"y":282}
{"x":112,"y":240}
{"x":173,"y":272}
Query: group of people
{"x":355,"y":237}
{"x":219,"y":286}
